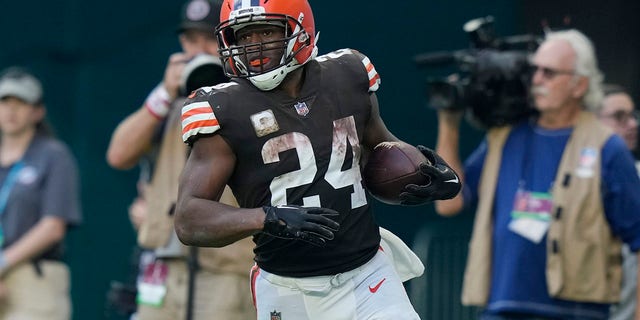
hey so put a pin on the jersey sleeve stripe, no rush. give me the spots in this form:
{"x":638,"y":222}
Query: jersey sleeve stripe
{"x":369,"y":68}
{"x":196,"y":107}
{"x":374,"y":83}
{"x":200,"y":127}
{"x":195,"y":111}
{"x":198,"y":118}
{"x":374,"y":78}
{"x":197,"y":128}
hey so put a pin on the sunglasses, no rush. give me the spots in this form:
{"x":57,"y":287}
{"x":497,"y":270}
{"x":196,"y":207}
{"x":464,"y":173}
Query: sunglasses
{"x":548,"y":73}
{"x":622,"y":117}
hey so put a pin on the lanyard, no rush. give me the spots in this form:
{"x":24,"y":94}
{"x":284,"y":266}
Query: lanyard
{"x":526,"y":170}
{"x":12,"y":176}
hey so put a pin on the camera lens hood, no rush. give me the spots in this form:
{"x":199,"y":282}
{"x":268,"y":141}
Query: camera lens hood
{"x":203,"y":70}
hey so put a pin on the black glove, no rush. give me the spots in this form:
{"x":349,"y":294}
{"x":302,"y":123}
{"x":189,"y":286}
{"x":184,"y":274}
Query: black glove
{"x":444,"y":182}
{"x":295,"y":222}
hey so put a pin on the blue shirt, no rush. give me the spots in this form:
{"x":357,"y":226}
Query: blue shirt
{"x":530,"y":160}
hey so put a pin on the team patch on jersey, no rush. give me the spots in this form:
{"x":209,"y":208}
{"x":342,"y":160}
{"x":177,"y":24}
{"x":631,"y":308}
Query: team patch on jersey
{"x":301,"y":108}
{"x":264,"y":123}
{"x":374,"y":78}
{"x":198,"y":118}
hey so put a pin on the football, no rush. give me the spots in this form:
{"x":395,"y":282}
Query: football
{"x":391,"y":166}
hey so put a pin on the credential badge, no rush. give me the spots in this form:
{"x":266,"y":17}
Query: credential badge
{"x":264,"y":123}
{"x":301,"y":108}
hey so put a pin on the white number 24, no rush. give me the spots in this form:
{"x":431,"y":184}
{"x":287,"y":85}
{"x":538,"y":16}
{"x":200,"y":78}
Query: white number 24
{"x":344,"y":131}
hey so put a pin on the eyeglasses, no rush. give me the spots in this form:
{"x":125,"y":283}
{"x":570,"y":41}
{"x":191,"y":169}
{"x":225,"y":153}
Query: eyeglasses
{"x":549,"y":73}
{"x":622,"y":117}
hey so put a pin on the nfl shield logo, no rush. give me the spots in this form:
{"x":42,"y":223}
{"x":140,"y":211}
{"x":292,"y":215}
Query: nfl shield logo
{"x":275,"y":315}
{"x":301,"y":108}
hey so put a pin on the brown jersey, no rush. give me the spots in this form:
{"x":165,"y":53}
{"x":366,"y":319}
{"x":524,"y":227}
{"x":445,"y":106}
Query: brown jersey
{"x":303,"y":151}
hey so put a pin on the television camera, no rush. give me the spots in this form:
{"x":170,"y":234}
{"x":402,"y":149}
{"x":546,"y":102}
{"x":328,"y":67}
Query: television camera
{"x":493,"y":77}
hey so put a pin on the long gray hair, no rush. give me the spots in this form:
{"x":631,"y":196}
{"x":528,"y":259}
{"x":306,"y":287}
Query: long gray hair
{"x":586,"y":64}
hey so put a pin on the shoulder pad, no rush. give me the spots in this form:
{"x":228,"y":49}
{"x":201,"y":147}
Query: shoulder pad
{"x":372,"y":74}
{"x":198,"y":117}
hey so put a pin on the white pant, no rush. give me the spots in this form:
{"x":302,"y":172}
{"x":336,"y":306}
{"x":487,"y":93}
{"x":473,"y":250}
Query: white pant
{"x":371,"y":291}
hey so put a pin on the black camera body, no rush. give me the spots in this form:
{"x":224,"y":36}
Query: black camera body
{"x":493,"y":78}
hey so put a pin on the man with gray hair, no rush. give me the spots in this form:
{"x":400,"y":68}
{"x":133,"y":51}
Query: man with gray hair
{"x":556,"y":196}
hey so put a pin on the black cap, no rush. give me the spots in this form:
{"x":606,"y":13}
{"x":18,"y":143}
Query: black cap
{"x":200,"y":14}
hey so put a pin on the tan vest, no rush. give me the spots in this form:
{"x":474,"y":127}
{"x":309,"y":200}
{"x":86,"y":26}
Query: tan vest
{"x":583,"y":256}
{"x":161,"y":196}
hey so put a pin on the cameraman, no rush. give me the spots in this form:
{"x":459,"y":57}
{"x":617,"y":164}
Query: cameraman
{"x":181,"y":283}
{"x":550,"y":191}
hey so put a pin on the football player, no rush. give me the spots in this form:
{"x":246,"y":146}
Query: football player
{"x":287,"y":135}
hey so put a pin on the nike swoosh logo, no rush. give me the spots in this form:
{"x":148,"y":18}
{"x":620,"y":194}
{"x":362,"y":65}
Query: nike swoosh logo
{"x":374,"y":289}
{"x":456,"y":180}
